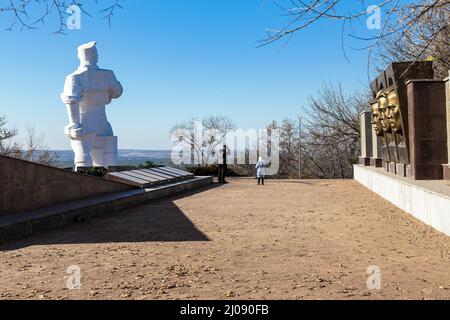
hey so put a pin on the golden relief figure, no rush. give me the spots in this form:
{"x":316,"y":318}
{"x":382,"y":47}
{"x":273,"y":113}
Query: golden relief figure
{"x":390,"y":110}
{"x":393,"y":112}
{"x":383,"y":114}
{"x":376,"y":123}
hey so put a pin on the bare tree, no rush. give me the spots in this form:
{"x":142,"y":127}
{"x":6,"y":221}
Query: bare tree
{"x":29,"y":14}
{"x":409,"y":30}
{"x":330,"y":136}
{"x":7,"y":144}
{"x":33,"y":149}
{"x":288,"y":137}
{"x":428,"y":38}
{"x":333,"y":132}
{"x":204,"y":144}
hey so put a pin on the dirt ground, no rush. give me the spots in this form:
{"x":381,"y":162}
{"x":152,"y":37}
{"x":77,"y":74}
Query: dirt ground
{"x":284,"y":240}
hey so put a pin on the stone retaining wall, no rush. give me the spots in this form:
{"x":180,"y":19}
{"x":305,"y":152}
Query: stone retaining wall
{"x":27,"y":186}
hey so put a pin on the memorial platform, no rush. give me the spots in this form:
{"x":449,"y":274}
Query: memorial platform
{"x":145,"y":178}
{"x":426,"y":200}
{"x":17,"y":225}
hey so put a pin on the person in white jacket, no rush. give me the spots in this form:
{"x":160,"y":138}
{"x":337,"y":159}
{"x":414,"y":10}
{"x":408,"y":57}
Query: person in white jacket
{"x":260,"y":170}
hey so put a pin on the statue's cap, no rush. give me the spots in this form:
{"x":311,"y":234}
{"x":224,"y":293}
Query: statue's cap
{"x":88,"y":52}
{"x":87,"y":46}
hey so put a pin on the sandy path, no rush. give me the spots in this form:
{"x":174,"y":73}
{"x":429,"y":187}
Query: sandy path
{"x":286,"y":240}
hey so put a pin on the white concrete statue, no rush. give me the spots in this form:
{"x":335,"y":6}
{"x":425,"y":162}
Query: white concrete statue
{"x":86,"y":92}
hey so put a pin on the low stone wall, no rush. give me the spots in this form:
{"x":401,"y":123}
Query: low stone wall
{"x":24,"y":224}
{"x":423,"y":200}
{"x":27,"y":186}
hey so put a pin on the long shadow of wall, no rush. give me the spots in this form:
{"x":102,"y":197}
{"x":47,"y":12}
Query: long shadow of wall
{"x":157,"y":220}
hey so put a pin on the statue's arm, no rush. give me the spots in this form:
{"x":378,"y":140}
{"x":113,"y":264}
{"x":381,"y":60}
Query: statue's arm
{"x":115,"y":89}
{"x":71,"y":97}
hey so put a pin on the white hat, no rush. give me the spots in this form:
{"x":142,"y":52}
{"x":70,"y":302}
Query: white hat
{"x":88,"y":51}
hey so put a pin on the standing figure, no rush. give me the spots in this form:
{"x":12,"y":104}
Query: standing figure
{"x":86,"y":93}
{"x":223,"y":165}
{"x":260,"y":170}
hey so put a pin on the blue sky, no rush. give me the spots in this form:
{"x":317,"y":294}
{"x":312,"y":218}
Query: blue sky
{"x":176,"y":60}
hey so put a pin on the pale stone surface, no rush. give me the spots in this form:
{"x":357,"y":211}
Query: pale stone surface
{"x":428,"y":201}
{"x":86,"y":93}
{"x":376,"y":146}
{"x":366,"y":134}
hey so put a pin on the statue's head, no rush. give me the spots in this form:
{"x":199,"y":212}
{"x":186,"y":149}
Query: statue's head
{"x":393,"y":112}
{"x":382,"y":109}
{"x":87,"y":53}
{"x":376,"y":123}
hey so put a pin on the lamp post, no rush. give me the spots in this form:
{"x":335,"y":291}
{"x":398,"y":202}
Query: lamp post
{"x":299,"y":147}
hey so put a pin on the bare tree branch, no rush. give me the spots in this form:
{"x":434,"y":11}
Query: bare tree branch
{"x":28,"y":14}
{"x":410,"y":30}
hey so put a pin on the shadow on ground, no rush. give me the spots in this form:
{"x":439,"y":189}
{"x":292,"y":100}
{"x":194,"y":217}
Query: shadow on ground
{"x":154,"y":221}
{"x":319,"y":183}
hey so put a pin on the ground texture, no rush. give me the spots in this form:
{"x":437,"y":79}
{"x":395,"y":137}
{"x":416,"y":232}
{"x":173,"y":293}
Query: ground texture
{"x":284,"y":240}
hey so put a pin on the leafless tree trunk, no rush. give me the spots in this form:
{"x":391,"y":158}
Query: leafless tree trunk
{"x":330,"y":136}
{"x":205,"y":143}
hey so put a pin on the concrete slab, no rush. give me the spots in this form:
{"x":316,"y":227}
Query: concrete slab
{"x":144,"y":178}
{"x":127,"y":179}
{"x":167,"y":170}
{"x":158,"y":173}
{"x":152,"y":175}
{"x":428,"y":201}
{"x":178,"y":170}
{"x":147,"y":176}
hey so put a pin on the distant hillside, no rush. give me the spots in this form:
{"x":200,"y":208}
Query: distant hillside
{"x":126,"y":157}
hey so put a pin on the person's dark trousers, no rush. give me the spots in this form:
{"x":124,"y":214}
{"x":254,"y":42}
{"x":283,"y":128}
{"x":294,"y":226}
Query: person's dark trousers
{"x":260,"y":180}
{"x":222,"y":171}
{"x":219,"y":174}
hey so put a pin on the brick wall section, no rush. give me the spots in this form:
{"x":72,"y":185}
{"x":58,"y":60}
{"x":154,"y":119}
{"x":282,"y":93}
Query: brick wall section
{"x":27,"y":186}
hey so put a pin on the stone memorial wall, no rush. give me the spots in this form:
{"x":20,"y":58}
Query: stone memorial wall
{"x":447,"y":98}
{"x":408,"y":116}
{"x":366,"y":138}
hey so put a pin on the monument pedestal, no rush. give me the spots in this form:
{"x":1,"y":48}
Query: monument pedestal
{"x":375,"y":162}
{"x":366,"y":138}
{"x":446,"y":171}
{"x":428,"y":201}
{"x":401,"y":169}
{"x":427,"y":128}
{"x":393,"y":167}
{"x":364,"y":161}
{"x":446,"y":167}
{"x":386,"y":166}
{"x":104,"y":151}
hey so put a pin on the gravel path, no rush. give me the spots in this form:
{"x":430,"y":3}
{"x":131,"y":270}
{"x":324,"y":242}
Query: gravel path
{"x":284,"y":240}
